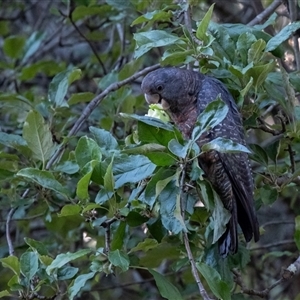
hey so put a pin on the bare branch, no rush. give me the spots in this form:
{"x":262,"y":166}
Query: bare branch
{"x":94,"y":103}
{"x":11,"y":249}
{"x":266,"y":13}
{"x":106,"y":225}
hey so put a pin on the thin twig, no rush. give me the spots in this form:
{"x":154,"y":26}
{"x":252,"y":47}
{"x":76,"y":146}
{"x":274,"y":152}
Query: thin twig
{"x":8,"y":237}
{"x":265,"y":14}
{"x":94,"y":103}
{"x":271,"y":245}
{"x":106,"y":225}
{"x":89,"y":42}
{"x":201,"y":288}
{"x":188,"y":23}
{"x":11,"y":212}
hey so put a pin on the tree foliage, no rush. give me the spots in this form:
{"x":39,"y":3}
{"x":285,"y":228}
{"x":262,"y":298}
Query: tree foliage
{"x":101,"y":200}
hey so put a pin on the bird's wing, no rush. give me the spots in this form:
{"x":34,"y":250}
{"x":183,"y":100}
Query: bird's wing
{"x":236,"y":166}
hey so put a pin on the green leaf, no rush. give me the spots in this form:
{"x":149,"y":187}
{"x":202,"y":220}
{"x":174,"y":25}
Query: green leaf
{"x":145,"y":41}
{"x":13,"y":46}
{"x":83,"y":184}
{"x":282,"y":36}
{"x":225,"y":146}
{"x":66,"y":273}
{"x":11,"y":262}
{"x":169,"y":198}
{"x":256,"y":52}
{"x":176,"y":148}
{"x":32,"y":44}
{"x":149,"y":120}
{"x":64,"y":258}
{"x":5,"y":293}
{"x":37,"y":246}
{"x":104,"y":139}
{"x":213,"y":114}
{"x":70,"y":210}
{"x":259,"y":154}
{"x":14,"y":141}
{"x":109,"y":181}
{"x":81,"y":98}
{"x":134,"y":219}
{"x":59,"y":86}
{"x":220,"y":218}
{"x":86,"y":151}
{"x":201,"y":32}
{"x":243,"y":45}
{"x":219,"y":287}
{"x":29,"y":264}
{"x":131,"y":169}
{"x":119,"y":259}
{"x":43,"y":178}
{"x":38,"y":136}
{"x":119,"y":236}
{"x":145,"y":245}
{"x":297,"y":232}
{"x":78,"y":284}
{"x":268,"y":194}
{"x":167,"y":289}
{"x":260,"y":73}
{"x":162,"y":16}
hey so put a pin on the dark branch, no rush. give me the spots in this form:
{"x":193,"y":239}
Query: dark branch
{"x":265,"y":14}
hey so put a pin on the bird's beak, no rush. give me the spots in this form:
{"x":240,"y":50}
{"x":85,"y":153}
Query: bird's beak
{"x":155,"y":98}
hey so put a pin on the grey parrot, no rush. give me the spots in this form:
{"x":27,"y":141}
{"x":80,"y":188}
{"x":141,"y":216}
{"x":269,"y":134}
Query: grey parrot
{"x":184,"y":94}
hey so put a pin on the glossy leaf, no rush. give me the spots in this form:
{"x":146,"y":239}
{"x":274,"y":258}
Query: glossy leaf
{"x":43,"y":178}
{"x":213,"y":114}
{"x":64,"y":258}
{"x":225,"y":146}
{"x":78,"y":284}
{"x":282,"y":36}
{"x":145,"y":41}
{"x":38,"y":136}
{"x":131,"y":169}
{"x":86,"y":151}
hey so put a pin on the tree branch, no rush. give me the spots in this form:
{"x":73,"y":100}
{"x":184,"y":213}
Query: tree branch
{"x":11,"y":249}
{"x":201,"y":288}
{"x":93,"y":104}
{"x":287,"y":274}
{"x":266,"y":13}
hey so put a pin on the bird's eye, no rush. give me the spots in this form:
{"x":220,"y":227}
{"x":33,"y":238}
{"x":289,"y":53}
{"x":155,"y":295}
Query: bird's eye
{"x":159,"y":88}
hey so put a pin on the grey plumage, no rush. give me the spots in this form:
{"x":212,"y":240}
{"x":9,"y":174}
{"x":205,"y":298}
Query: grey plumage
{"x":185,"y":94}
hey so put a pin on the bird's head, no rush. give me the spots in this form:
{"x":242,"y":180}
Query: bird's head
{"x":173,"y":88}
